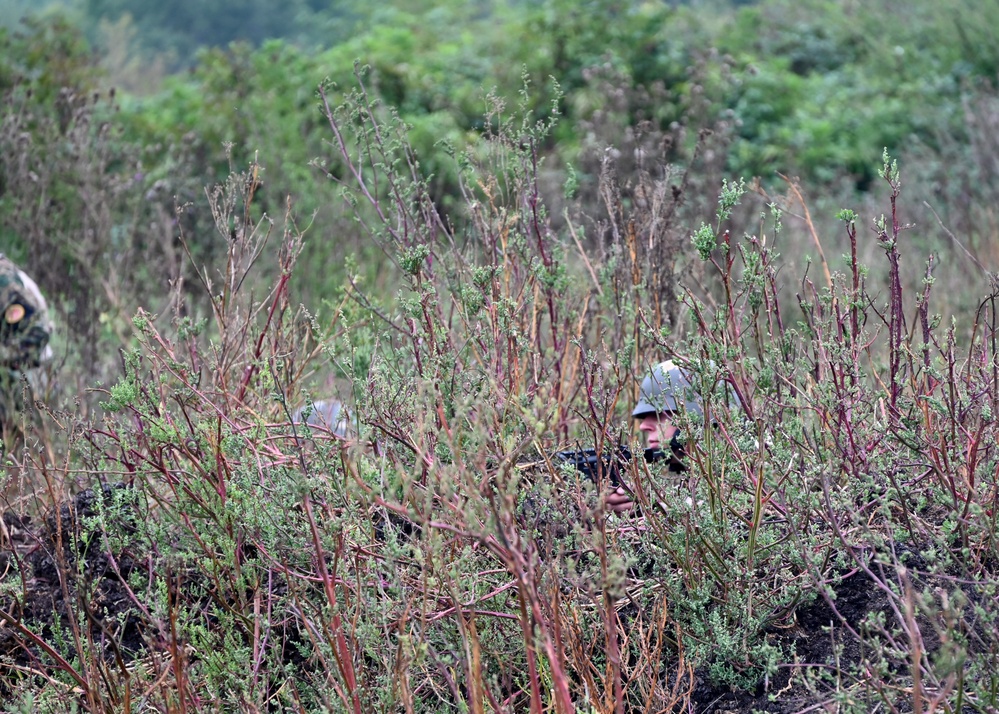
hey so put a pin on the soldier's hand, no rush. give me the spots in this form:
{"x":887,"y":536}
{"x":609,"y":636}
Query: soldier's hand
{"x":618,"y":501}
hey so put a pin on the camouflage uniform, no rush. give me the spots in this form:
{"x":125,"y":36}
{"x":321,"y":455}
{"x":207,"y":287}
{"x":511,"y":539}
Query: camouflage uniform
{"x":25,"y":326}
{"x":24,"y":345}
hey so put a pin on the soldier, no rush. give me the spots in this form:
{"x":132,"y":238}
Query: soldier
{"x":25,"y":329}
{"x":665,"y":392}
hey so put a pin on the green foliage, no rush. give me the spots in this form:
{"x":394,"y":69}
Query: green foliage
{"x":705,"y":241}
{"x":51,"y":54}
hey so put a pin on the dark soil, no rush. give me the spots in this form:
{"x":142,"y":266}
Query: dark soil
{"x":53,"y":578}
{"x":821,"y":640}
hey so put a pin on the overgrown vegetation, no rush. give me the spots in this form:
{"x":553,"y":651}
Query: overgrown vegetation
{"x":174,"y":541}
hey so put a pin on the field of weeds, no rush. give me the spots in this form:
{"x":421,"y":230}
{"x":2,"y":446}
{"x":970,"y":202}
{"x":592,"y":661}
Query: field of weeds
{"x":189,"y":547}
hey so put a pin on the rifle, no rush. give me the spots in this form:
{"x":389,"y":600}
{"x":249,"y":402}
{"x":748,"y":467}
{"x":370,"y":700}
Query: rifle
{"x":590,"y":463}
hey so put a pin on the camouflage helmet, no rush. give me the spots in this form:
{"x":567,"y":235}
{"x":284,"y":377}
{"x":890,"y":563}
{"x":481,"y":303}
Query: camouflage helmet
{"x":668,"y":386}
{"x":323,"y":414}
{"x":664,"y":389}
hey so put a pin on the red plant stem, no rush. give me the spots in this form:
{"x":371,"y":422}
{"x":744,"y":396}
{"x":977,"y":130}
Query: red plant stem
{"x":612,"y":628}
{"x":896,"y":317}
{"x":58,"y":658}
{"x":177,"y":655}
{"x":532,"y":666}
{"x":252,"y":368}
{"x":344,"y":660}
{"x":924,"y":320}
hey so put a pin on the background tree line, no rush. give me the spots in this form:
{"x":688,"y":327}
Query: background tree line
{"x":160,"y":100}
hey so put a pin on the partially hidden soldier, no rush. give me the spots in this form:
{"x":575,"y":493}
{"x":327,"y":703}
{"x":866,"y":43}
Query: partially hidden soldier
{"x":666,"y":392}
{"x":325,"y":415}
{"x":25,"y":329}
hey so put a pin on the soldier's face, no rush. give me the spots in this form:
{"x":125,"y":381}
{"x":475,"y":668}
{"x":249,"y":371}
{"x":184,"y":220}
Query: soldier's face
{"x":658,"y":428}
